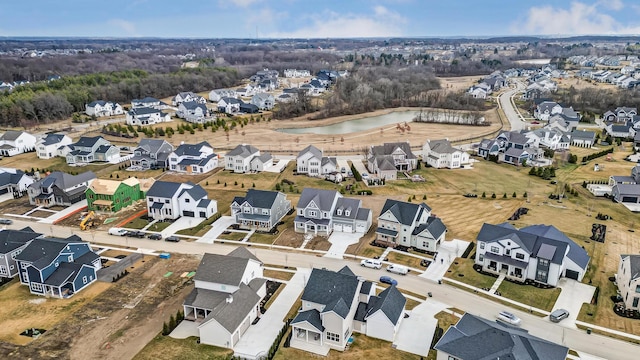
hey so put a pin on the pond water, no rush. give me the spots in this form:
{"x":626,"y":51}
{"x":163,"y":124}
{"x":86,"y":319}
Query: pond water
{"x":357,"y":125}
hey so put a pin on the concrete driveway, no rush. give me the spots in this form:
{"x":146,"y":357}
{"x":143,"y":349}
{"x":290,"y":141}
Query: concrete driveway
{"x":447,"y":252}
{"x":181,"y":223}
{"x":416,"y":331}
{"x":217,"y":228}
{"x":340,"y":241}
{"x":571,"y":298}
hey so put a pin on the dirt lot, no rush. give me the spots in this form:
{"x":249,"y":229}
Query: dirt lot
{"x":101,"y":328}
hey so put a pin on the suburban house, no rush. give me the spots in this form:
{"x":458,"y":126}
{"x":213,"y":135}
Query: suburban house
{"x":478,"y":92}
{"x":14,"y":181}
{"x":193,"y":158}
{"x":620,"y":115}
{"x":296,"y":73}
{"x":263,"y":101}
{"x":47,"y":146}
{"x":583,"y":138}
{"x":248,"y":108}
{"x":187,"y":96}
{"x":226,"y":298}
{"x":545,"y":109}
{"x":624,"y":131}
{"x":476,"y":338}
{"x":627,"y":281}
{"x":548,"y":138}
{"x":536,"y":253}
{"x":511,"y":147}
{"x":112,"y":196}
{"x":217,"y":94}
{"x":440,"y":154}
{"x":14,"y":142}
{"x":60,"y":189}
{"x":410,"y":225}
{"x":387,"y":159}
{"x":151,"y":154}
{"x":146,"y":116}
{"x":90,"y":149}
{"x":229,"y":105}
{"x":12,"y":242}
{"x":311,"y":161}
{"x":193,"y":112}
{"x":101,"y":108}
{"x":246,"y":158}
{"x":636,"y":141}
{"x":57,"y":267}
{"x":171,"y":200}
{"x":148,"y":102}
{"x":627,"y":191}
{"x":260,"y":209}
{"x":319,"y":212}
{"x":337,"y":303}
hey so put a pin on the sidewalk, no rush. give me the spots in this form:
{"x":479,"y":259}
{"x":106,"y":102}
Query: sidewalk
{"x":447,"y":252}
{"x":62,"y":213}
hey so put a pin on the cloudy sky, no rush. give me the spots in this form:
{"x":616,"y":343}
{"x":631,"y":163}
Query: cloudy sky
{"x":317,"y":18}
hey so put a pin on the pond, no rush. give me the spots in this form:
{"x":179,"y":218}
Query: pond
{"x":357,"y":125}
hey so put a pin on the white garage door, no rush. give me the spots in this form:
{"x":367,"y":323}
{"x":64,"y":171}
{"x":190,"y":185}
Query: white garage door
{"x":360,"y":228}
{"x":337,"y":227}
{"x":348,"y":228}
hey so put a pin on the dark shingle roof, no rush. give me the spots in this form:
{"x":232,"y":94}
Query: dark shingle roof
{"x":41,"y":252}
{"x":243,"y":150}
{"x":338,"y":306}
{"x":224,"y":269}
{"x":389,"y":148}
{"x":64,"y":180}
{"x":11,"y":135}
{"x":390,"y":301}
{"x":634,"y":265}
{"x":165,"y":189}
{"x":51,"y":139}
{"x":326,"y":287}
{"x":190,"y":149}
{"x":230,"y":314}
{"x":347,"y":204}
{"x":314,"y":150}
{"x":196,"y":192}
{"x":405,"y":212}
{"x":85,"y":141}
{"x":13,"y":239}
{"x":310,"y":316}
{"x":262,"y":199}
{"x":322,"y":198}
{"x":576,"y":253}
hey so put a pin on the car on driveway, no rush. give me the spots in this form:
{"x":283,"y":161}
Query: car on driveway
{"x":138,"y":234}
{"x":371,"y":263}
{"x":388,"y":280}
{"x":155,"y":236}
{"x":172,"y":239}
{"x":558,"y":315}
{"x":6,"y":222}
{"x":509,"y":318}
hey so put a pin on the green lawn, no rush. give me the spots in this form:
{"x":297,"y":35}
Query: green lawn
{"x":471,"y":277}
{"x":232,"y":235}
{"x":165,"y":347}
{"x":159,"y":226}
{"x":530,"y":295}
{"x":137,"y":223}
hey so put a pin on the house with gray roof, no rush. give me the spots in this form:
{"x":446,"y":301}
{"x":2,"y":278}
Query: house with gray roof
{"x":621,"y":114}
{"x":319,"y":212}
{"x":549,"y":138}
{"x":226,"y":298}
{"x":60,"y":189}
{"x":536,"y":253}
{"x":624,"y":130}
{"x":193,"y":158}
{"x":217,"y":94}
{"x":47,"y":146}
{"x":14,"y":142}
{"x":583,"y":138}
{"x":187,"y":96}
{"x":311,"y":161}
{"x":143,"y":116}
{"x":337,"y":303}
{"x":440,"y":154}
{"x":474,"y":338}
{"x":410,"y":225}
{"x":247,"y":158}
{"x":628,"y":281}
{"x":151,"y":154}
{"x":260,"y":209}
{"x":387,"y":159}
{"x":12,"y":242}
{"x":194,"y":112}
{"x":229,"y":105}
{"x":264,"y":101}
{"x":100,"y":108}
{"x":91,"y":149}
{"x":57,"y":267}
{"x":546,"y":109}
{"x":14,"y":181}
{"x":170,"y":200}
{"x":148,"y":102}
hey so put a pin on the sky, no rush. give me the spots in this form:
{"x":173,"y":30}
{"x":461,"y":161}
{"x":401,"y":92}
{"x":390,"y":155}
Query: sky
{"x":317,"y":18}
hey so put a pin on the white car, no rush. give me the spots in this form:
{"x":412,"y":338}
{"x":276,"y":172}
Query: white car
{"x":371,"y":263}
{"x":509,"y":318}
{"x":117,"y":232}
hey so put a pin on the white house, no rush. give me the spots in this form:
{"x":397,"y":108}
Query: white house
{"x":410,"y":225}
{"x":47,"y":147}
{"x":628,"y":281}
{"x":14,"y":142}
{"x":90,"y":149}
{"x":14,"y":181}
{"x":263,"y":101}
{"x":548,"y":138}
{"x":226,"y":298}
{"x":193,"y":158}
{"x":146,"y":116}
{"x":478,"y":92}
{"x":296,"y":73}
{"x":193,"y":112}
{"x":310,"y":161}
{"x":101,"y":108}
{"x":246,"y":158}
{"x":187,"y":96}
{"x":229,"y":105}
{"x":217,"y":94}
{"x":440,"y":154}
{"x":320,"y":212}
{"x":171,"y":200}
{"x":583,"y":138}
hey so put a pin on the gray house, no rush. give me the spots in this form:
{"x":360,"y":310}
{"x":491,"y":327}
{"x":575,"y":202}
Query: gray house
{"x":583,"y":138}
{"x":12,"y":242}
{"x":151,"y":153}
{"x":260,"y":209}
{"x":410,"y":225}
{"x":628,"y":192}
{"x":322,"y":211}
{"x":90,"y":149}
{"x":476,"y":338}
{"x":60,"y":189}
{"x":387,"y":159}
{"x":263,"y":101}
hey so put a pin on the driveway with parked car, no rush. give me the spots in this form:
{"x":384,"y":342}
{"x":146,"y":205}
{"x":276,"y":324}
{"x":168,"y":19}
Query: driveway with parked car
{"x":571,"y":298}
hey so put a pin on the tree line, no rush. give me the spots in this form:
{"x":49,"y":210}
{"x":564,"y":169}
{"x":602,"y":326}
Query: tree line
{"x":595,"y":101}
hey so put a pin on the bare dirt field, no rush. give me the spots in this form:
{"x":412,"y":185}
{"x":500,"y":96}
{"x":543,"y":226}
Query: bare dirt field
{"x":458,"y":83}
{"x":579,"y":84}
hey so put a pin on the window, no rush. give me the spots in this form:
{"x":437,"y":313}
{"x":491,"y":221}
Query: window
{"x":635,"y":302}
{"x":150,"y":199}
{"x":481,"y":245}
{"x":452,"y":358}
{"x":84,"y":279}
{"x":480,"y":257}
{"x":495,"y":249}
{"x":333,"y":337}
{"x":339,"y":211}
{"x":347,"y":213}
{"x":520,"y":256}
{"x":187,"y":200}
{"x":544,"y":262}
{"x":36,"y":287}
{"x":312,"y":213}
{"x":166,"y":201}
{"x":638,"y":288}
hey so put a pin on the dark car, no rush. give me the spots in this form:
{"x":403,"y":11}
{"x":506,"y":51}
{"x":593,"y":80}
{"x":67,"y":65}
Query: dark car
{"x":155,"y":236}
{"x":388,"y":280}
{"x":6,"y":222}
{"x":138,"y":234}
{"x":172,"y":239}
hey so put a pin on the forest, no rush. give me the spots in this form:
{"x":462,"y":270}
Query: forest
{"x":591,"y":102}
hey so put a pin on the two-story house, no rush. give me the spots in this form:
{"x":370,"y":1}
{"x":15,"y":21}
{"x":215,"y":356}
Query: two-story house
{"x":193,"y":112}
{"x":112,"y":196}
{"x":146,"y":116}
{"x":217,"y":94}
{"x":626,"y":189}
{"x":260,"y":209}
{"x":171,"y":200}
{"x":193,"y":158}
{"x":247,"y":158}
{"x":621,"y":114}
{"x":14,"y":181}
{"x":628,"y":281}
{"x":440,"y":154}
{"x":548,"y":138}
{"x":226,"y":298}
{"x":148,"y":102}
{"x":320,"y":212}
{"x":47,"y":146}
{"x":90,"y":149}
{"x":100,"y":108}
{"x":60,"y":189}
{"x":57,"y":267}
{"x":536,"y":253}
{"x":583,"y":138}
{"x":264,"y":101}
{"x":14,"y":142}
{"x":187,"y":96}
{"x":546,"y":109}
{"x":12,"y":242}
{"x":311,"y":161}
{"x":387,"y":159}
{"x":410,"y":225}
{"x":229,"y":105}
{"x":337,"y":303}
{"x":151,"y":154}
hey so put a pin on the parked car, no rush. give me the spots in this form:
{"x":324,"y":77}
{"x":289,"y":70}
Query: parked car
{"x":509,"y":318}
{"x":371,"y":263}
{"x":118,"y":231}
{"x":138,"y":234}
{"x":364,"y":175}
{"x":398,"y":269}
{"x":155,"y":236}
{"x":172,"y":239}
{"x":558,"y":315}
{"x":388,"y":280}
{"x":6,"y":222}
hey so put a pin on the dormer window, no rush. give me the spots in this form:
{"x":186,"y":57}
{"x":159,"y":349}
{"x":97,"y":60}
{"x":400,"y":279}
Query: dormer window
{"x":347,"y":212}
{"x":339,"y":211}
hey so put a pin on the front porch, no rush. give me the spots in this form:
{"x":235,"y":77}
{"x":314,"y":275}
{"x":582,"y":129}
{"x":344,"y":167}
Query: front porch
{"x":511,"y":272}
{"x":102,"y":205}
{"x":196,"y":314}
{"x":386,"y":237}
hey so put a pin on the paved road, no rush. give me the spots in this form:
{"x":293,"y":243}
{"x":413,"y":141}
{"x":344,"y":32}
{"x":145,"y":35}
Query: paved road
{"x":598,"y":345}
{"x":506,"y":103}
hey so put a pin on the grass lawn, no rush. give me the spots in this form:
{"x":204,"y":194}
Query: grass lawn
{"x":371,"y":251}
{"x":232,"y":235}
{"x":539,"y":298}
{"x":471,"y":277}
{"x":404,"y":259}
{"x":159,"y":226}
{"x":165,"y":347}
{"x":137,"y":223}
{"x":280,"y":275}
{"x":262,"y":238}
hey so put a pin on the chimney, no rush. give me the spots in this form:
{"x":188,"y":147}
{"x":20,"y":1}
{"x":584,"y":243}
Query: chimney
{"x":229,"y":299}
